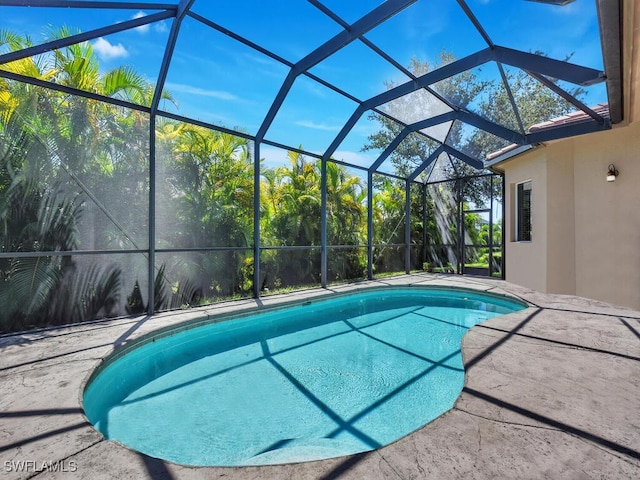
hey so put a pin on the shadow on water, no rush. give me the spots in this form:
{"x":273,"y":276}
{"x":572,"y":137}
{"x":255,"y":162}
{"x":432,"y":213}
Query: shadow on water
{"x":343,"y":425}
{"x":351,"y":328}
{"x":381,"y":401}
{"x":348,"y":424}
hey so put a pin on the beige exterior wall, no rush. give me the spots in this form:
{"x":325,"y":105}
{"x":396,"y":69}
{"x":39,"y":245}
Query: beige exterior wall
{"x":608,"y":217}
{"x":561,"y":232}
{"x":586,"y":231}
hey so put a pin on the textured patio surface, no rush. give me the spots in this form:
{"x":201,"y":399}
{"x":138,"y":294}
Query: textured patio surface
{"x":552,"y":391}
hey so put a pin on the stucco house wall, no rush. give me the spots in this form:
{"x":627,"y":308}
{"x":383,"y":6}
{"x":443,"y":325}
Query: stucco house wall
{"x":608,"y":217}
{"x":585,"y":230}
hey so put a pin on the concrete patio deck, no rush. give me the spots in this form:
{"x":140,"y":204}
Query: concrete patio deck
{"x":552,"y":391}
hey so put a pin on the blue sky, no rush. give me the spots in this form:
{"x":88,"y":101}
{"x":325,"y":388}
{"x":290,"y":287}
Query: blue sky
{"x":218,"y":80}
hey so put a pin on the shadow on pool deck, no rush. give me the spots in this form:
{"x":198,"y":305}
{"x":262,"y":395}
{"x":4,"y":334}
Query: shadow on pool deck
{"x":550,"y":392}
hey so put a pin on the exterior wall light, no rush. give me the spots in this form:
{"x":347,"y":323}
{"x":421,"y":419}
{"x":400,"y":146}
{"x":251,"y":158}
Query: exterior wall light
{"x":612,"y":173}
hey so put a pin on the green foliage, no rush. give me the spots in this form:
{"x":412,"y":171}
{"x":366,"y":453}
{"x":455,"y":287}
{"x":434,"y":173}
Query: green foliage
{"x":205,"y":199}
{"x":86,"y":292}
{"x":135,"y":303}
{"x":55,"y":153}
{"x":488,"y":98}
{"x":291,"y":203}
{"x":74,"y":175}
{"x":535,"y":102}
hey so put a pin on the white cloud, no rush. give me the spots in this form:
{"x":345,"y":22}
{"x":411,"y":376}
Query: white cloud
{"x":317,"y":126}
{"x":161,"y":27}
{"x":273,"y":157}
{"x":219,"y":94}
{"x":142,"y":28}
{"x":107,"y":51}
{"x":361,"y":159}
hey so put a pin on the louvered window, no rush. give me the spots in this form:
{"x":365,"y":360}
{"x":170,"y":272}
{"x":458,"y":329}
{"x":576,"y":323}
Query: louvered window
{"x":523,"y":209}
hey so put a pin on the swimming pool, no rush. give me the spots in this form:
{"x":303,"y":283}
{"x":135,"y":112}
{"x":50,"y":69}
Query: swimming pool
{"x":320,"y":379}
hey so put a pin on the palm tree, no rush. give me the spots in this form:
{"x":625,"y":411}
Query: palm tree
{"x":346,"y":213}
{"x":389,"y":215}
{"x":297,"y":221}
{"x":290,"y":216}
{"x":346,"y":223}
{"x":44,"y":290}
{"x":62,"y":156}
{"x":205,"y":196}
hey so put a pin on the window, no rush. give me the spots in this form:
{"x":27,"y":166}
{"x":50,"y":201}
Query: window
{"x":523,"y":212}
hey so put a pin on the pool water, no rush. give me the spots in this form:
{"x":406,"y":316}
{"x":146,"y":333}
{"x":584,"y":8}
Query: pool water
{"x":327,"y":378}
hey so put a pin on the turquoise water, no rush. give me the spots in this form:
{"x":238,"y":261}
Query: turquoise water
{"x":328,"y":378}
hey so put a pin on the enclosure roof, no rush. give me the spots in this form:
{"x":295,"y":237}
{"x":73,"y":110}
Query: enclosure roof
{"x":574,"y":119}
{"x":318,"y":76}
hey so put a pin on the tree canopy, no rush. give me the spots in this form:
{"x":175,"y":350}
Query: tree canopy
{"x":469,"y":90}
{"x":75,"y":178}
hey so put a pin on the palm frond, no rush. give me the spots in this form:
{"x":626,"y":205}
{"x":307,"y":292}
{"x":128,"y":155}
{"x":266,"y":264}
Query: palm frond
{"x":125,"y":83}
{"x":58,"y":218}
{"x":84,"y":294}
{"x":31,"y":282}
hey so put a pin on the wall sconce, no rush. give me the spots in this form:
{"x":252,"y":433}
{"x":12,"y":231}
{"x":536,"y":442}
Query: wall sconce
{"x":612,"y":173}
